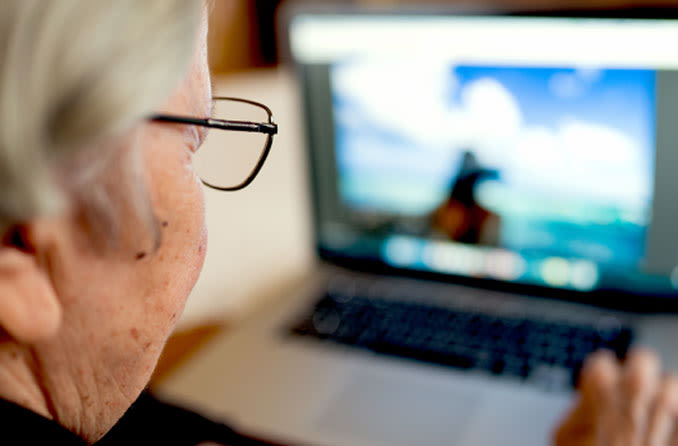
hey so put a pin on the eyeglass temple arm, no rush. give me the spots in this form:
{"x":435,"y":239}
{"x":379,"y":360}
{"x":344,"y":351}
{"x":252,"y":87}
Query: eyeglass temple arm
{"x":268,"y":128}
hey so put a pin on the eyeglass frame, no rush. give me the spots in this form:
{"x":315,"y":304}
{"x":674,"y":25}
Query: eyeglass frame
{"x":269,"y":128}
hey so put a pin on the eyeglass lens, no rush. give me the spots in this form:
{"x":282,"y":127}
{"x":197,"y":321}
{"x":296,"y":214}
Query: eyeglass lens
{"x":227,"y":158}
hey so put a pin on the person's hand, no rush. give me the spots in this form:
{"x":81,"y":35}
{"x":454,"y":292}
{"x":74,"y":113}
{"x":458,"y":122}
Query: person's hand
{"x":629,"y":404}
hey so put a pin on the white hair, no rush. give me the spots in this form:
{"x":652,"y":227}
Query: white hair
{"x":74,"y":76}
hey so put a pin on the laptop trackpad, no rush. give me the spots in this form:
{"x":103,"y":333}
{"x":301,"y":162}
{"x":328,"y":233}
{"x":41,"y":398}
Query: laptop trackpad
{"x":392,"y":411}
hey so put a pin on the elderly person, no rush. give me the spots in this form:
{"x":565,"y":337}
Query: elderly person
{"x":103,"y":232}
{"x":101,"y":214}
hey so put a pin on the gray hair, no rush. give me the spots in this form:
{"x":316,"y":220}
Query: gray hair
{"x":75,"y":75}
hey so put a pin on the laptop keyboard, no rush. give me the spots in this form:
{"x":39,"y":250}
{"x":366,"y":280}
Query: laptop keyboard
{"x":547,"y":353}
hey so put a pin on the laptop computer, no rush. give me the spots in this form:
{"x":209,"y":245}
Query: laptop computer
{"x":493,"y":200}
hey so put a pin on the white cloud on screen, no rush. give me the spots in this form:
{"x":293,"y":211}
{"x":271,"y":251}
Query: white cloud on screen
{"x":580,"y":159}
{"x":491,"y":121}
{"x":567,"y":85}
{"x":406,"y":98}
{"x":576,"y":158}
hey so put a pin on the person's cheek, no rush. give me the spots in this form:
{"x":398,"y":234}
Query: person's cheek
{"x":179,"y":205}
{"x":195,"y":244}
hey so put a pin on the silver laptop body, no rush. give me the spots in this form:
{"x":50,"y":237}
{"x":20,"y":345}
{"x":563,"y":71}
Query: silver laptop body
{"x":518,"y":168}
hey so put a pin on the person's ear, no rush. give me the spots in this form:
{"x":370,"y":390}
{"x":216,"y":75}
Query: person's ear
{"x":30,"y":310}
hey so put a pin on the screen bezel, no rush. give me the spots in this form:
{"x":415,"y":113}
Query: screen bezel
{"x":612,"y":299}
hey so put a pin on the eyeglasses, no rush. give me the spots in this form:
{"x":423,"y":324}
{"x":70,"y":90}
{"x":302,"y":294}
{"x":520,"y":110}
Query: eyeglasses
{"x":217,"y":163}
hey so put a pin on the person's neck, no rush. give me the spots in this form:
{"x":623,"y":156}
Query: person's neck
{"x":18,"y":381}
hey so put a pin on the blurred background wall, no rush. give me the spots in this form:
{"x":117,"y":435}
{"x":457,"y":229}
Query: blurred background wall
{"x":242,"y":32}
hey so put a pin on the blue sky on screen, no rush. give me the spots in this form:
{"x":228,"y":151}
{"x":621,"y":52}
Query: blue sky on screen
{"x":580,"y":134}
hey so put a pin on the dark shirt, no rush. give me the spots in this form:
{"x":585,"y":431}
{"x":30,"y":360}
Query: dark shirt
{"x":148,"y":422}
{"x":21,"y":426}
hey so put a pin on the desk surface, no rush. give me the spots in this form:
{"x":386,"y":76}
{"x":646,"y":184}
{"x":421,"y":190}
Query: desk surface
{"x":260,"y":237}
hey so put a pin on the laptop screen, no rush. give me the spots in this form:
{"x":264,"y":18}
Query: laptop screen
{"x":531,"y":150}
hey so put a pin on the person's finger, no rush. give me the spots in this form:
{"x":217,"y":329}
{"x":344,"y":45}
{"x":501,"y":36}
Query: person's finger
{"x":641,"y":376}
{"x":639,"y":384}
{"x":598,"y":380}
{"x":597,"y":388}
{"x":663,"y":420}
